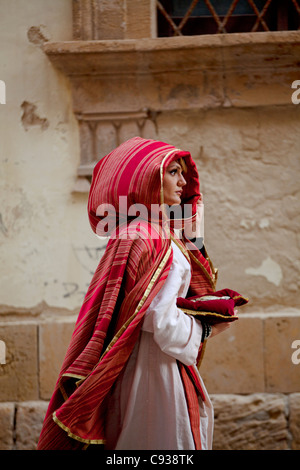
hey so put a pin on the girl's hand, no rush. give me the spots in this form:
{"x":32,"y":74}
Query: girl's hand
{"x":219,"y":327}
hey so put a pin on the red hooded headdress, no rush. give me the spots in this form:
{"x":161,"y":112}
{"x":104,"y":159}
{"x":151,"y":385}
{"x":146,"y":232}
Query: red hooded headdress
{"x":130,"y":273}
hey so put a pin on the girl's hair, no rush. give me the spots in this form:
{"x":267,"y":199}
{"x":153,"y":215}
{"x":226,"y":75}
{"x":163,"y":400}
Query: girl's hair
{"x":183,"y":164}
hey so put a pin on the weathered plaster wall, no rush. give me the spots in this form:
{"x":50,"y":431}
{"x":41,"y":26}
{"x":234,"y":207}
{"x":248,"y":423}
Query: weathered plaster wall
{"x":248,"y":160}
{"x":46,"y":250}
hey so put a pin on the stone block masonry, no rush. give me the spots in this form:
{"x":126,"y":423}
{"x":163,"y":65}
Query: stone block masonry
{"x":248,"y":371}
{"x":242,"y":422}
{"x":257,"y":421}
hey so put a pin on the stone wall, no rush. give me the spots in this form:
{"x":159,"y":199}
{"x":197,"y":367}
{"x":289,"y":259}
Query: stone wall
{"x":252,"y":422}
{"x":246,"y":144}
{"x":248,"y":162}
{"x":248,"y":371}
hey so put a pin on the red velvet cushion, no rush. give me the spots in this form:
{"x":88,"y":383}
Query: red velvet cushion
{"x":216,"y":307}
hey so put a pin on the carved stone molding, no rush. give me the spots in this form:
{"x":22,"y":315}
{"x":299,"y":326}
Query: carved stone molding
{"x":119,"y":86}
{"x":102,"y":132}
{"x":113,"y":19}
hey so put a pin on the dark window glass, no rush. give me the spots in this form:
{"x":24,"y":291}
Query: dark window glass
{"x":192,"y":17}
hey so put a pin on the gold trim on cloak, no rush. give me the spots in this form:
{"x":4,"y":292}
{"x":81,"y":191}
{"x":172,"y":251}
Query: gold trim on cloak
{"x":204,"y":313}
{"x":212,"y":279}
{"x":142,"y":301}
{"x":113,"y":341}
{"x":73,"y":436}
{"x":123,"y":328}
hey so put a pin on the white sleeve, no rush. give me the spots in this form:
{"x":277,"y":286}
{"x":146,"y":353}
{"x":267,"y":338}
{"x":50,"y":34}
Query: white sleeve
{"x":176,"y":333}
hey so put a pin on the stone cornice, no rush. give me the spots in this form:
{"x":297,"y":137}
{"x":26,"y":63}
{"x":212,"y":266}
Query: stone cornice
{"x":159,"y":54}
{"x":237,"y":64}
{"x":115,"y":81}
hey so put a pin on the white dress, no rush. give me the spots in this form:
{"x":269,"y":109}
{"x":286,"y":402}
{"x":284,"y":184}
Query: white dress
{"x":147,"y":408}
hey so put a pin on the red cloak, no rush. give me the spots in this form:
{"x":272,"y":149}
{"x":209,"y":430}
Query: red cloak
{"x":132,"y":270}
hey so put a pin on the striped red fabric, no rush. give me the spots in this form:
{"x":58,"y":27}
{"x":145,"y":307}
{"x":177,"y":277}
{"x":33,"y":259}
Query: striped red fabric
{"x":132,"y":270}
{"x":192,"y":389}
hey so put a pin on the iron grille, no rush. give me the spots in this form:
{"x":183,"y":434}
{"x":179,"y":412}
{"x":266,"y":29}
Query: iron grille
{"x":186,"y":17}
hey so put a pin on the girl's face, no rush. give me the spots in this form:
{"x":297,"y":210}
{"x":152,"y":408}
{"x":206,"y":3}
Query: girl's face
{"x":173,"y":183}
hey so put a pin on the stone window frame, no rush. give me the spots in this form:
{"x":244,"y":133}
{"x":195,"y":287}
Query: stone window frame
{"x":273,"y":15}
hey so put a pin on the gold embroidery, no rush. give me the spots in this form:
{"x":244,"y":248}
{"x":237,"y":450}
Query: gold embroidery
{"x":182,"y":248}
{"x":73,"y":436}
{"x":74,"y":376}
{"x":240,"y":297}
{"x":212,"y":281}
{"x":200,"y":357}
{"x":152,"y":281}
{"x":116,"y":337}
{"x":63,"y":392}
{"x":122,"y":329}
{"x":218,"y":315}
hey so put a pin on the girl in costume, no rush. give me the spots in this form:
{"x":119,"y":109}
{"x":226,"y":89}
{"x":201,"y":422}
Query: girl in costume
{"x":130,"y":379}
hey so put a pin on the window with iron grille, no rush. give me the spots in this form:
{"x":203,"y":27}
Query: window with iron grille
{"x":194,"y":17}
